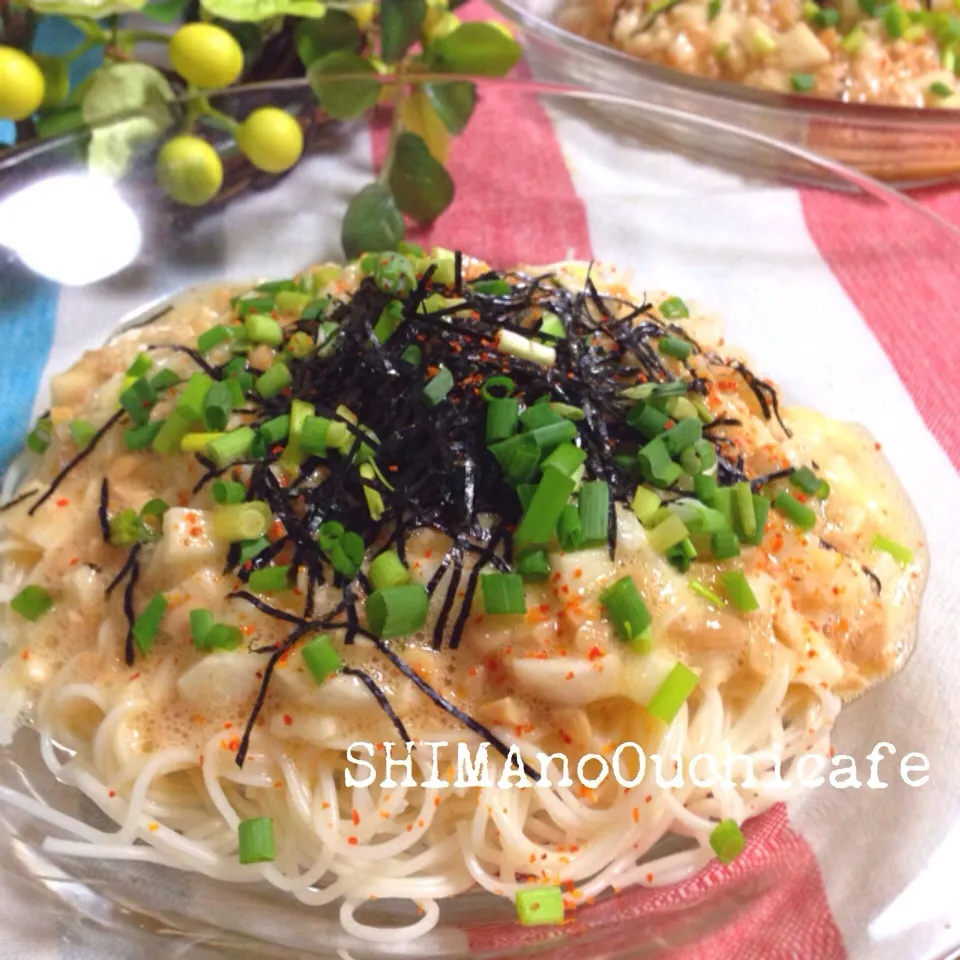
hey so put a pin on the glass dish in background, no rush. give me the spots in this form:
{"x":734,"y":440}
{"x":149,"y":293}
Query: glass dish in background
{"x":732,"y":239}
{"x":902,"y":145}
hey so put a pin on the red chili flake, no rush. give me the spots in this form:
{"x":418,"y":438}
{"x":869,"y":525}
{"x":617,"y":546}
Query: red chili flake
{"x":111,"y":793}
{"x":287,"y":719}
{"x":595,"y":653}
{"x":649,"y":878}
{"x":570,"y":675}
{"x":356,"y":816}
{"x":133,"y":676}
{"x":565,"y":737}
{"x":578,"y":573}
{"x":428,"y":554}
{"x":62,"y":502}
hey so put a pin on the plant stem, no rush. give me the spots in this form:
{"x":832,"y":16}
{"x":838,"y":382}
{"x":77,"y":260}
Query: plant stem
{"x":131,"y":37}
{"x":201,"y":107}
{"x":396,"y":128}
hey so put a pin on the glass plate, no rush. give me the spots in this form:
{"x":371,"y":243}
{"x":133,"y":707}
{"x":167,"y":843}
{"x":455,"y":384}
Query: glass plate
{"x":903,"y":145}
{"x":542,"y":173}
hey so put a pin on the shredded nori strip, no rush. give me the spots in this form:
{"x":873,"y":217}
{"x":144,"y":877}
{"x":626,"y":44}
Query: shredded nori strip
{"x":128,"y":610}
{"x":102,"y":511}
{"x":381,"y":698}
{"x":875,"y":580}
{"x":757,"y":482}
{"x":79,"y":458}
{"x":124,"y":570}
{"x":10,"y":504}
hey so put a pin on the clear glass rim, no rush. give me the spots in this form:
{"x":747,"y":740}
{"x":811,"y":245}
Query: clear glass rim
{"x":838,"y":172}
{"x":798,"y":105}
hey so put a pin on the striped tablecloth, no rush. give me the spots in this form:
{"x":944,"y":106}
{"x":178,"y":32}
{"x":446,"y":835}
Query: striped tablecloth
{"x":851,"y":308}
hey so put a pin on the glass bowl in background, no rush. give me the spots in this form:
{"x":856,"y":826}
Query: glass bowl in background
{"x":542,"y":173}
{"x":902,"y":145}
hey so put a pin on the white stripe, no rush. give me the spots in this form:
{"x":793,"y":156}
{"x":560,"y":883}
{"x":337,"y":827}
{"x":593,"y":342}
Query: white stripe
{"x":744,"y":251}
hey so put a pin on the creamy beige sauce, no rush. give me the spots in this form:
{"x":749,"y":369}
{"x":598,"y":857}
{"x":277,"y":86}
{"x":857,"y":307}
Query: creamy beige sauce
{"x":557,"y":676}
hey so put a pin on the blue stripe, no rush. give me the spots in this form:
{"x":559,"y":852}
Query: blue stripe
{"x":28,"y":312}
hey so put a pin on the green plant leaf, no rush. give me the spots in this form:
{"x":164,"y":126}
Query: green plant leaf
{"x":164,"y":11}
{"x":399,"y":26}
{"x":372,"y":222}
{"x":118,"y":89}
{"x":421,"y":186}
{"x":252,"y":11}
{"x":344,"y":99}
{"x":49,"y":123}
{"x":453,"y":102}
{"x":336,"y":31}
{"x":92,"y":9}
{"x":475,"y":47}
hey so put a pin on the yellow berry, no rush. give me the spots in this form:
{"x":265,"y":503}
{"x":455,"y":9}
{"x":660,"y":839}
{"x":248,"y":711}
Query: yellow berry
{"x":271,"y":139}
{"x":21,"y":85}
{"x":206,"y":55}
{"x":362,"y":13}
{"x":189,"y":170}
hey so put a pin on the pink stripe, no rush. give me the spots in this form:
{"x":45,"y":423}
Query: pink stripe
{"x":902,"y":276}
{"x":767,"y":905}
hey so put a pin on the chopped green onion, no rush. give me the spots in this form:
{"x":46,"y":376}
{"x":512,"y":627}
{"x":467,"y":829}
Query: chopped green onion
{"x":271,"y":579}
{"x":903,"y":555}
{"x":727,"y":841}
{"x":502,"y":416}
{"x":228,"y":491}
{"x":292,"y":455}
{"x":491,"y":288}
{"x":525,"y":492}
{"x":655,"y":464}
{"x":241,"y":521}
{"x":798,"y":513}
{"x":412,"y":355}
{"x":703,"y":591}
{"x":38,"y":439}
{"x":438,"y":387}
{"x":299,"y":345}
{"x":147,"y":625}
{"x":739,"y":591}
{"x":705,"y":487}
{"x":525,"y":348}
{"x":217,"y":406}
{"x":190,"y":401}
{"x":565,"y":458}
{"x":674,"y":309}
{"x":174,"y":429}
{"x":672,"y":694}
{"x":321,"y":659}
{"x":854,"y":40}
{"x":743,"y":504}
{"x":222,"y":636}
{"x":699,"y":457}
{"x":249,"y":304}
{"x":292,"y":301}
{"x":826,"y":17}
{"x":346,"y":557}
{"x":397,"y":611}
{"x":497,"y":383}
{"x":808,"y":482}
{"x":645,"y":504}
{"x":704,"y":520}
{"x":567,"y":411}
{"x":680,"y":554}
{"x":540,"y":519}
{"x":569,"y":531}
{"x":313,"y":435}
{"x":895,"y":20}
{"x":518,"y":456}
{"x":540,"y":415}
{"x":275,"y":286}
{"x":126,"y":528}
{"x":503,"y":593}
{"x":142,"y":363}
{"x":647,"y":419}
{"x":371,"y":494}
{"x":675,"y":347}
{"x":257,"y":844}
{"x":630,"y":616}
{"x":724,"y":544}
{"x":197,"y":442}
{"x":138,"y":400}
{"x":803,"y":82}
{"x":389,"y":321}
{"x":164,"y":380}
{"x":594,"y":503}
{"x":201,"y":623}
{"x":533,"y":565}
{"x":252,"y":548}
{"x":329,"y":533}
{"x":275,"y":430}
{"x":553,"y":434}
{"x":539,"y":906}
{"x":82,"y":432}
{"x":388,"y":570}
{"x":212,"y":337}
{"x":274,"y":381}
{"x":32,"y":602}
{"x":667,"y":534}
{"x":394,"y":273}
{"x":552,"y":326}
{"x":262,"y":329}
{"x":683,"y":435}
{"x":230,"y":447}
{"x":713,"y":10}
{"x":761,"y":507}
{"x":139,"y":438}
